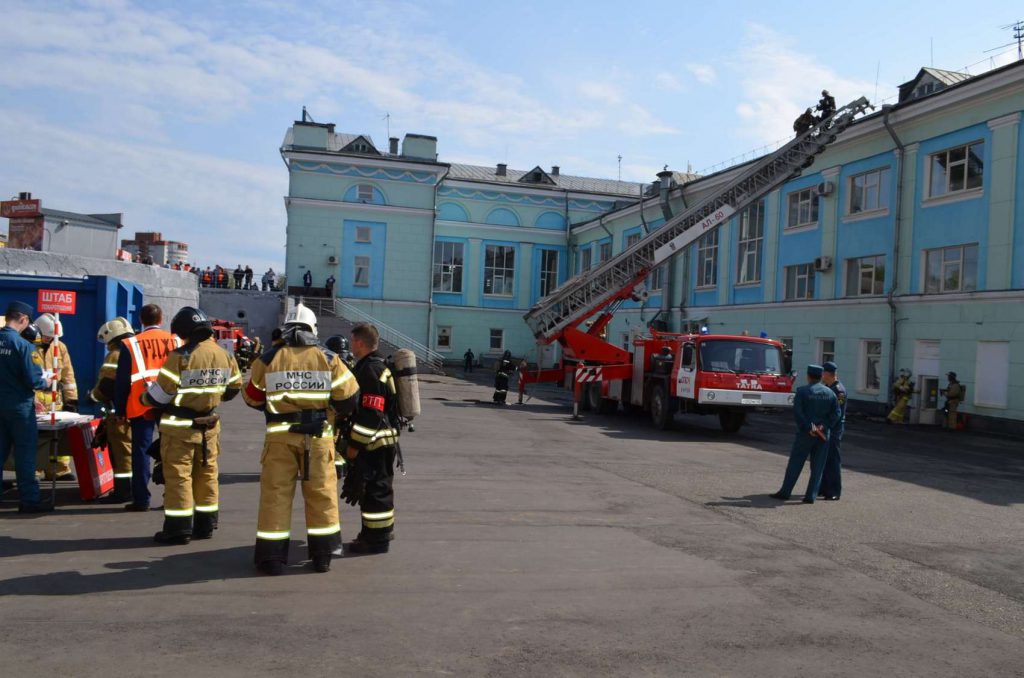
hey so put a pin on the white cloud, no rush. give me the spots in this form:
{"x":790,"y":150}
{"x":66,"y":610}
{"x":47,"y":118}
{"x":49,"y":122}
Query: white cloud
{"x":704,"y":73}
{"x":603,"y":92}
{"x":778,"y":83}
{"x":667,"y":82}
{"x":215,"y":205}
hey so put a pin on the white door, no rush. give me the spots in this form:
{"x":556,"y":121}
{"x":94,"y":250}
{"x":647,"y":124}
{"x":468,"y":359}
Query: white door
{"x":925,"y":402}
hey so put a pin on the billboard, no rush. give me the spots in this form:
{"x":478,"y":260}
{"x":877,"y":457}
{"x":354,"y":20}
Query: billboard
{"x":19,"y":208}
{"x":25,"y":233}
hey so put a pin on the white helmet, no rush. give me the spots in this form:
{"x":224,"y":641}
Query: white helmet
{"x":300,"y":315}
{"x":114,"y":329}
{"x":47,"y":325}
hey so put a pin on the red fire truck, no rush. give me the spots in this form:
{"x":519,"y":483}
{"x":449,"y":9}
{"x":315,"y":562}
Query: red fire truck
{"x":668,"y":373}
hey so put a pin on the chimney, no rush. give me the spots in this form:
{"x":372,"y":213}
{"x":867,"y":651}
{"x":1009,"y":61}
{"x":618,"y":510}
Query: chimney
{"x":393,"y":145}
{"x":554,"y":170}
{"x":24,"y":196}
{"x":502,"y":167}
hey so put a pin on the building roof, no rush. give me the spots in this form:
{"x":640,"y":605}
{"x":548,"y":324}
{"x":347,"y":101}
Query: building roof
{"x":94,"y":219}
{"x":946,"y":77}
{"x":565,"y":182}
{"x":908,"y":90}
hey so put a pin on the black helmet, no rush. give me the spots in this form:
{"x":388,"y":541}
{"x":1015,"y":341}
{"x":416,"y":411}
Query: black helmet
{"x":192,"y":323}
{"x":336,"y":344}
{"x":951,"y":375}
{"x":507,"y":354}
{"x":30,"y":333}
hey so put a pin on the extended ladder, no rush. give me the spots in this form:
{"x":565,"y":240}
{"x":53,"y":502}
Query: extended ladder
{"x":616,"y":279}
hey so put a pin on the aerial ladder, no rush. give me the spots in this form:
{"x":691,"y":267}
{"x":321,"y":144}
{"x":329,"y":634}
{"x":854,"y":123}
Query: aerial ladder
{"x":602,"y":290}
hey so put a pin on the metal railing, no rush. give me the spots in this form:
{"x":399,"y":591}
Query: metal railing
{"x":427,"y":357}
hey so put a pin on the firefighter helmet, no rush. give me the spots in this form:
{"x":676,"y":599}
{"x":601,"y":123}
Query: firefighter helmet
{"x":337,"y":344}
{"x":190,"y":322}
{"x":30,"y":333}
{"x":47,"y":325}
{"x":300,"y":315}
{"x":113,"y":330}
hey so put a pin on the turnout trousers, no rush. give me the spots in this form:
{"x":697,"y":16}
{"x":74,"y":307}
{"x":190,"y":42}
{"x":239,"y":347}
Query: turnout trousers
{"x":500,"y":387}
{"x":378,"y":503}
{"x":803,"y":447}
{"x":119,"y":444}
{"x":18,"y":430}
{"x":191,"y":491}
{"x":281,"y":466}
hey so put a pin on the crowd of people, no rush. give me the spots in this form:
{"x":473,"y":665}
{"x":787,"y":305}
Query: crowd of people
{"x":238,"y":279}
{"x":327,"y":419}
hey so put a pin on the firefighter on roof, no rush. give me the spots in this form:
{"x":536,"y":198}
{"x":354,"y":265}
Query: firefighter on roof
{"x":295,"y":384}
{"x":192,"y":382}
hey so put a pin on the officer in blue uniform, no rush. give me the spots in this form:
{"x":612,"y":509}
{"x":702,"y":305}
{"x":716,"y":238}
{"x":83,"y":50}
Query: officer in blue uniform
{"x":20,"y":378}
{"x":831,"y":479}
{"x":816,"y":411}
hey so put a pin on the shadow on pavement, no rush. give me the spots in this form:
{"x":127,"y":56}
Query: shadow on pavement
{"x":234,"y":562}
{"x":15,"y":546}
{"x":754,"y":501}
{"x":238,"y":478}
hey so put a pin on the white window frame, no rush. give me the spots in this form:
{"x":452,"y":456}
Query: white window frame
{"x":861,"y":265}
{"x":357,"y":267}
{"x":865,"y":361}
{"x":798,"y":201}
{"x":655,"y":281}
{"x":871,"y":180}
{"x":823,"y":355}
{"x":455,"y":272}
{"x":604,"y":252}
{"x":501,"y":340}
{"x":586,"y":258}
{"x":948,"y":188}
{"x":749,"y":244}
{"x":548,"y":278}
{"x":940,"y":252}
{"x":800,"y":272}
{"x":505,"y":273}
{"x":364,"y":234}
{"x":446,"y":332}
{"x":707,"y":260}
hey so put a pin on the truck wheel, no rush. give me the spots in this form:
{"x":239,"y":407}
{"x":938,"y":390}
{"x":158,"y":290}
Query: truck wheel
{"x":661,"y":412}
{"x":608,"y":406}
{"x":731,"y":421}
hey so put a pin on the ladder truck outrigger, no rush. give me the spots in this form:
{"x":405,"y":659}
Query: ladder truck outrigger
{"x":667,"y":372}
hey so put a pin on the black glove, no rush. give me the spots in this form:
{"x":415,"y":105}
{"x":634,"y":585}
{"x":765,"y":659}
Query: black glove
{"x":354,"y":485}
{"x":70,"y":405}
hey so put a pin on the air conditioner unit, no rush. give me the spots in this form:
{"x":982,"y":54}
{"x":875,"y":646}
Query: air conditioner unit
{"x":826,"y":188}
{"x":822,"y":263}
{"x":332,"y":259}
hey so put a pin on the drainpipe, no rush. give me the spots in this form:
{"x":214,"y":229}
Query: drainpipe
{"x":666,"y":209}
{"x":429,"y":343}
{"x":897,"y":223}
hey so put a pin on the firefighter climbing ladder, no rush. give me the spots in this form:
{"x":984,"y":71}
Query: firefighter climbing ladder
{"x":615,"y":281}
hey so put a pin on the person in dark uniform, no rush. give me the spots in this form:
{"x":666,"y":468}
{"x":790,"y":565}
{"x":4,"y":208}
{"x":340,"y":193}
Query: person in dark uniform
{"x":831,"y":478}
{"x":468,"y":359}
{"x":372,"y":445}
{"x":307,"y":282}
{"x":329,"y":285}
{"x":20,"y":378}
{"x":954,"y":393}
{"x":826,"y":106}
{"x":816,"y":411}
{"x":805,"y":122}
{"x":503,"y":371}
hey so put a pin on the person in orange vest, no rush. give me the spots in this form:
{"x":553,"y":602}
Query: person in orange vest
{"x":140,"y":361}
{"x":207,"y":278}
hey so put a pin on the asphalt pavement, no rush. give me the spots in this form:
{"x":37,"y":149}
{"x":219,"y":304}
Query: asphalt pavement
{"x":532,"y":545}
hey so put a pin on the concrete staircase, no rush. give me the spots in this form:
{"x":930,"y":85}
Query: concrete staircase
{"x":337,"y":317}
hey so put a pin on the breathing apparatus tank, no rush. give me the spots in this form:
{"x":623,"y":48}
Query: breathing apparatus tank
{"x":406,"y":383}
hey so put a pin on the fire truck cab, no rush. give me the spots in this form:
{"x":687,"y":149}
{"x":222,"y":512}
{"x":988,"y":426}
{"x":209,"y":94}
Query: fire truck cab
{"x":707,"y":374}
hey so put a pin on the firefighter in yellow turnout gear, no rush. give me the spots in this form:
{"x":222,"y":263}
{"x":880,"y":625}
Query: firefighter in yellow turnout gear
{"x":193,"y":381}
{"x":118,"y":433}
{"x":54,"y":359}
{"x":296,"y":384}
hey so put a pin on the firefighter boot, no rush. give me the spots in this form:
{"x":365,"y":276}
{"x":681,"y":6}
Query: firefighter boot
{"x":322,"y":548}
{"x":205,"y":524}
{"x":177,"y":531}
{"x":271,"y":555}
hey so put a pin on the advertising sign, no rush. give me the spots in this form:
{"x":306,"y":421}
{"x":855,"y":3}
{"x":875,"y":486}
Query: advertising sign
{"x":25,"y":233}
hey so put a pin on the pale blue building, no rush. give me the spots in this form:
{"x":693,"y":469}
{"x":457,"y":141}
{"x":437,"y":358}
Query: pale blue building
{"x":901,"y":247}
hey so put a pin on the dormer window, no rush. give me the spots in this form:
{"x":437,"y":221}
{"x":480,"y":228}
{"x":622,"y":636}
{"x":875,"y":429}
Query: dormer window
{"x":537,"y":176}
{"x":364,"y":193}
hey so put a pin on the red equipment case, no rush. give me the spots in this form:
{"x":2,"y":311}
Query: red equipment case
{"x":92,"y":465}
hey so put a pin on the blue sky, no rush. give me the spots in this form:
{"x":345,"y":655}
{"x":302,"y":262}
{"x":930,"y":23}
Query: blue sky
{"x":173,"y":113}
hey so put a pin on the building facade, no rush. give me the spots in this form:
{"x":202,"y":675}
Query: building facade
{"x":151,"y":245}
{"x":901,"y":247}
{"x":34,"y":227}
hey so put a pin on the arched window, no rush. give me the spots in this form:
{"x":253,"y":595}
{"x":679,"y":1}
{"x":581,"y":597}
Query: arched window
{"x":368,"y":194}
{"x":450,"y":211}
{"x":502,"y":217}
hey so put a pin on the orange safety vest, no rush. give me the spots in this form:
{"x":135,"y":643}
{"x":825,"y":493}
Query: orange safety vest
{"x":148,"y":350}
